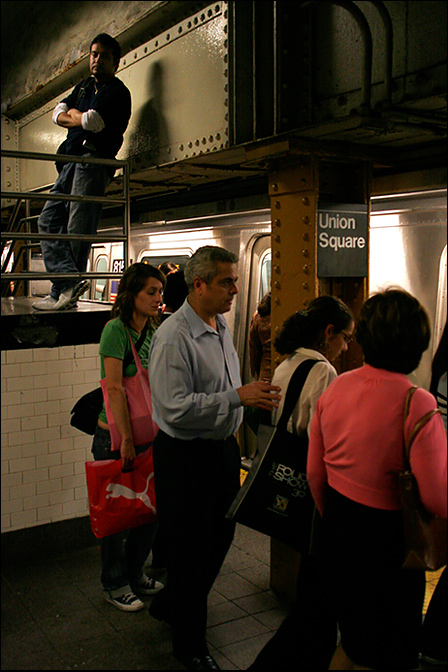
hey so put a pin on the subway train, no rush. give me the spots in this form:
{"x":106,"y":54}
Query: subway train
{"x":407,"y":249}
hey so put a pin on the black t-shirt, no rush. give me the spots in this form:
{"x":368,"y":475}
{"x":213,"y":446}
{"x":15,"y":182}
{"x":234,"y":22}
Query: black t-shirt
{"x":113,"y":102}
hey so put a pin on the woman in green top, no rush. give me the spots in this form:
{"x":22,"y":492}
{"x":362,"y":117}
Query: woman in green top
{"x":123,"y":555}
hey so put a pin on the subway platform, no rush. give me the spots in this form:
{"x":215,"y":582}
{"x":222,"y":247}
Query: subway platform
{"x":54,"y":616}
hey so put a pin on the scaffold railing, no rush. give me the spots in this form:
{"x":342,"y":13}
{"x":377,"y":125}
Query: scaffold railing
{"x":10,"y":235}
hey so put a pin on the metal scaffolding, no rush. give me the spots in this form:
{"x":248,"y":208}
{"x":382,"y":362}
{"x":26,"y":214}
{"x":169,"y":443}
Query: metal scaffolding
{"x":14,"y":234}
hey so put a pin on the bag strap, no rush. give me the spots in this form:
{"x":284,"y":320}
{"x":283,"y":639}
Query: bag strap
{"x":135,"y":348}
{"x":82,"y":89}
{"x":294,"y":390}
{"x":407,"y":443}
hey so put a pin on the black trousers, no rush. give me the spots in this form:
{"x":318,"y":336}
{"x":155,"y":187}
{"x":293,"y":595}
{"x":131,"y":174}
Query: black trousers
{"x":195,"y":482}
{"x":307,"y":638}
{"x":378,"y":604}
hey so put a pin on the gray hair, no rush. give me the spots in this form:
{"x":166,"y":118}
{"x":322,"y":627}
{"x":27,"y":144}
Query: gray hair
{"x":204,"y":264}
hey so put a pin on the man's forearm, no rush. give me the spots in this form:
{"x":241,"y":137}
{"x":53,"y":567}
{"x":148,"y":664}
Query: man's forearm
{"x":70,"y":119}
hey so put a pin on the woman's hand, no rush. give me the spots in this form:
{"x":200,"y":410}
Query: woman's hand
{"x":127,"y":452}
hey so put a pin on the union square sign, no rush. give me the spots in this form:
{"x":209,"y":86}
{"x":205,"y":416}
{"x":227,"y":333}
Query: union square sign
{"x":342,"y":240}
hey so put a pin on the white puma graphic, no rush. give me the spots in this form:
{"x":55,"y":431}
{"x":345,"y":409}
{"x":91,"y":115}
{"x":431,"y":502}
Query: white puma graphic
{"x":118,"y":490}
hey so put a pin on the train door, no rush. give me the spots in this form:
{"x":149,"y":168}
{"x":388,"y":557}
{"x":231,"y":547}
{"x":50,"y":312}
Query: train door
{"x":259,"y":285}
{"x":441,"y":302}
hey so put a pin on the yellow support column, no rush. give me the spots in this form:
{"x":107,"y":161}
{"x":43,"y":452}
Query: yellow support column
{"x":293,"y":192}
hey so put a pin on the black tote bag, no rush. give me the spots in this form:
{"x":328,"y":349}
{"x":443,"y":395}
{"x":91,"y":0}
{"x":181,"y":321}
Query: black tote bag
{"x":275,"y":498}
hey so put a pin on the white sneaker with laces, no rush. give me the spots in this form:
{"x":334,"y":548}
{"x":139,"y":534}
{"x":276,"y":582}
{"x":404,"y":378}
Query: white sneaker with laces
{"x":148,"y":586}
{"x":124,"y":599}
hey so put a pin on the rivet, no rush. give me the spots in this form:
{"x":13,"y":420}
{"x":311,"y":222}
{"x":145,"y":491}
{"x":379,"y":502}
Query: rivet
{"x":305,"y":253}
{"x":305,"y":285}
{"x":277,"y":301}
{"x":277,"y":269}
{"x":277,"y":285}
{"x":306,"y":237}
{"x":277,"y":205}
{"x":277,"y":222}
{"x":275,"y":187}
{"x":306,"y":200}
{"x":306,"y":219}
{"x":306,"y":269}
{"x":277,"y":238}
{"x":277,"y":254}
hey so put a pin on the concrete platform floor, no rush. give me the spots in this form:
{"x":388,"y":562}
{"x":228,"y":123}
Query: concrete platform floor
{"x":54,"y":616}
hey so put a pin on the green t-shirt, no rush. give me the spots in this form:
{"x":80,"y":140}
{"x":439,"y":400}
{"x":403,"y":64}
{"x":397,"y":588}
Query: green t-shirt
{"x":114,"y":342}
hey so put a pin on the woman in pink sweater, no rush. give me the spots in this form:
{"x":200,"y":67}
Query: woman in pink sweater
{"x":355,"y":452}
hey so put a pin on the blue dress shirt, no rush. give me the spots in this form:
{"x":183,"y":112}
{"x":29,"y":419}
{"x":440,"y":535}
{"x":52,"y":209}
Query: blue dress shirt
{"x":194,"y":373}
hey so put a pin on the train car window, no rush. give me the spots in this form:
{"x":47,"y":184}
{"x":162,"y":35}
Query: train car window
{"x":156,"y":260}
{"x":265,"y":275}
{"x":99,"y":293}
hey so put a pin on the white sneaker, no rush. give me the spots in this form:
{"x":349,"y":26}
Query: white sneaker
{"x":48,"y":303}
{"x":69,"y":298}
{"x":148,"y":586}
{"x":125,"y":600}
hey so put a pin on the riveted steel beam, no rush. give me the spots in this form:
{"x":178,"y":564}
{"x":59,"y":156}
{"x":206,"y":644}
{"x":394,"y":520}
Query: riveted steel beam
{"x":293,"y":195}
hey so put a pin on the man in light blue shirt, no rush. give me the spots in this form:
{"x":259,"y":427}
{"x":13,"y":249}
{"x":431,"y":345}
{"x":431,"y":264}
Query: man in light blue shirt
{"x":197,"y":402}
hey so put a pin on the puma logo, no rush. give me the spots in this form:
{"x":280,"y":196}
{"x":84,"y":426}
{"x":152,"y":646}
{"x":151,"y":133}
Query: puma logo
{"x":118,"y":490}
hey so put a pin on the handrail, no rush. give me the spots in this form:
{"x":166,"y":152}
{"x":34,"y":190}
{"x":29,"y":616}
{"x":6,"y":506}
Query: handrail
{"x":43,"y":275}
{"x":62,"y":158}
{"x":19,"y":235}
{"x":38,"y":194}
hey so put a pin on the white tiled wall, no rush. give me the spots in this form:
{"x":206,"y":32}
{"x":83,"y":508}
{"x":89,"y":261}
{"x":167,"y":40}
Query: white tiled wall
{"x":43,"y":473}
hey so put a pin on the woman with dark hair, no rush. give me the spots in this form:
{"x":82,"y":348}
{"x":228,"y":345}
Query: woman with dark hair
{"x":138,"y":300}
{"x":355,"y":454}
{"x":321,"y":332}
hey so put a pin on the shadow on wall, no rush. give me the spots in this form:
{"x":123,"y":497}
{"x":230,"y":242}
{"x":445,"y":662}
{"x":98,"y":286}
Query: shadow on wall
{"x":150,"y":140}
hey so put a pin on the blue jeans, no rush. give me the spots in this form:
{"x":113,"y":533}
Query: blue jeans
{"x":71,"y":217}
{"x":123,"y":555}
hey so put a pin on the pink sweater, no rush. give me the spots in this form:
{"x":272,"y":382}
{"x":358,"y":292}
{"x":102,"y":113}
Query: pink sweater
{"x":356,"y":443}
